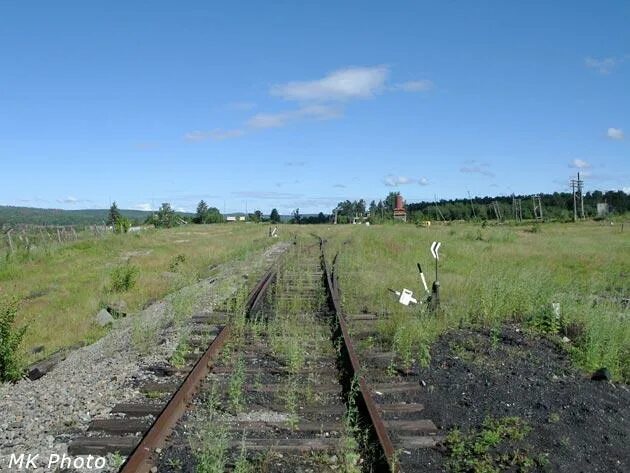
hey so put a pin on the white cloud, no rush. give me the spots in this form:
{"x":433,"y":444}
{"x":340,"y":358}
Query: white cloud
{"x":310,"y":112}
{"x":340,"y":85}
{"x":474,"y":167}
{"x":604,"y":65}
{"x":145,"y":207}
{"x":72,"y":200}
{"x":626,"y":190}
{"x":615,"y":134}
{"x":339,"y":186}
{"x":320,"y":99}
{"x":68,"y":200}
{"x":423,"y":181}
{"x":395,"y":181}
{"x":216,"y":135}
{"x":579,"y":164}
{"x":415,"y":86}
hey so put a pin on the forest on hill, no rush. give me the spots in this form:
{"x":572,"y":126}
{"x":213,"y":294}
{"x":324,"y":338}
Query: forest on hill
{"x":10,"y":215}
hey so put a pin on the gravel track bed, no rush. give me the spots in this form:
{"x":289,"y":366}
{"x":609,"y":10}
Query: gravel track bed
{"x":42,"y":416}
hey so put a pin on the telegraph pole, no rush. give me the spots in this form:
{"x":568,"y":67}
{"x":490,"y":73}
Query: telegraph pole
{"x":574,"y":200}
{"x":472,"y":206}
{"x":577,"y":187}
{"x":581,"y":191}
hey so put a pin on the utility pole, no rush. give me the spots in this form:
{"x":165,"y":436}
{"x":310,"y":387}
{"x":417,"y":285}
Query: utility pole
{"x":438,"y":212}
{"x":573,"y":186}
{"x":581,"y":191}
{"x":517,"y":209}
{"x":472,"y":206}
{"x":577,"y":188}
{"x":497,"y":210}
{"x":538,"y":209}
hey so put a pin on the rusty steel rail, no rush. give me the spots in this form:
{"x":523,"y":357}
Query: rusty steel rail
{"x":355,"y":371}
{"x":139,"y":461}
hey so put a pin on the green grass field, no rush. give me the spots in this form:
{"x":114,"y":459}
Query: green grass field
{"x":492,"y":275}
{"x":62,"y":287}
{"x":489,"y":275}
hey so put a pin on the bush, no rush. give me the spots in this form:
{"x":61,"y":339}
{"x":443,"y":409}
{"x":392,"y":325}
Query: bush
{"x":176,"y":262}
{"x":124,"y":278}
{"x":122,"y":225}
{"x":10,"y":339}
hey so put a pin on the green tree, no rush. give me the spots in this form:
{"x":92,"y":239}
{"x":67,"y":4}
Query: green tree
{"x":165,"y":217}
{"x":295,"y":216}
{"x":113,"y":215}
{"x":275,"y":216}
{"x":202,"y":213}
{"x":214,"y":216}
{"x":256,"y":216}
{"x":390,"y":203}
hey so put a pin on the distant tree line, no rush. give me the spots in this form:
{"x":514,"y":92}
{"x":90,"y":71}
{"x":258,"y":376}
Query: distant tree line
{"x":556,"y":206}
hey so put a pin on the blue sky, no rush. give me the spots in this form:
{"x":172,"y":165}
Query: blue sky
{"x":302,"y":104}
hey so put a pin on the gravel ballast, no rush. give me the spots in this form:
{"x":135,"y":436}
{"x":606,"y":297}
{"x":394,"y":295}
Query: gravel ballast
{"x":41,"y":417}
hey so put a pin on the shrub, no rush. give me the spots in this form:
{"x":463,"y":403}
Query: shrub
{"x":124,"y":278}
{"x":122,"y":225}
{"x":176,"y":262}
{"x":10,"y":339}
{"x":547,"y":320}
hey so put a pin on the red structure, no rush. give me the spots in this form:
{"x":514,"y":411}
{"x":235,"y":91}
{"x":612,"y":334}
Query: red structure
{"x":399,"y":209}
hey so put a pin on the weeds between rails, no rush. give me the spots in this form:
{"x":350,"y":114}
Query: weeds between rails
{"x":273,"y":402}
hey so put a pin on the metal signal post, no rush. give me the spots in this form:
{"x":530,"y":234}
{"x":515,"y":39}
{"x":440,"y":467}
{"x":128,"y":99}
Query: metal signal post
{"x":435,"y":288}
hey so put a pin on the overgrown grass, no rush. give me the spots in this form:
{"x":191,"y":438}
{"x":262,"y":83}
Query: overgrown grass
{"x":497,"y":446}
{"x":494,"y":274}
{"x":10,"y":339}
{"x":63,"y":286}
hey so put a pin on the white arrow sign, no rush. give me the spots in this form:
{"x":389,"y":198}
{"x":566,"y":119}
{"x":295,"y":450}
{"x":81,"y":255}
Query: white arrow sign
{"x":435,"y":247}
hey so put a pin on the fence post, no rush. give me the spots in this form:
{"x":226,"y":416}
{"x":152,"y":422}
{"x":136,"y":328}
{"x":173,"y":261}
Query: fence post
{"x":10,"y":241}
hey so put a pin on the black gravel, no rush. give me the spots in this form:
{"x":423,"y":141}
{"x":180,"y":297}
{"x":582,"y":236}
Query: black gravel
{"x":577,"y":425}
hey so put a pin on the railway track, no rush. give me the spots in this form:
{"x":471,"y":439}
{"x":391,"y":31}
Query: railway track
{"x":389,"y":391}
{"x":273,"y":384}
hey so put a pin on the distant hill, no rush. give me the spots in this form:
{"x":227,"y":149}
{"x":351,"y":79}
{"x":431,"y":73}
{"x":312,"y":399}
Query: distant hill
{"x":28,"y":215}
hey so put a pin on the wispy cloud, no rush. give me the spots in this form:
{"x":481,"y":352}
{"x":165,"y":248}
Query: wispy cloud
{"x":145,"y":206}
{"x":217,"y":134}
{"x":339,"y":186}
{"x":391,"y":180}
{"x":615,"y":134}
{"x":414,"y":86}
{"x":310,"y":112}
{"x":339,"y":85}
{"x":475,"y":167}
{"x":395,"y":181}
{"x":319,"y":99}
{"x":579,"y":164}
{"x":72,"y":200}
{"x":295,"y":163}
{"x":603,"y":65}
